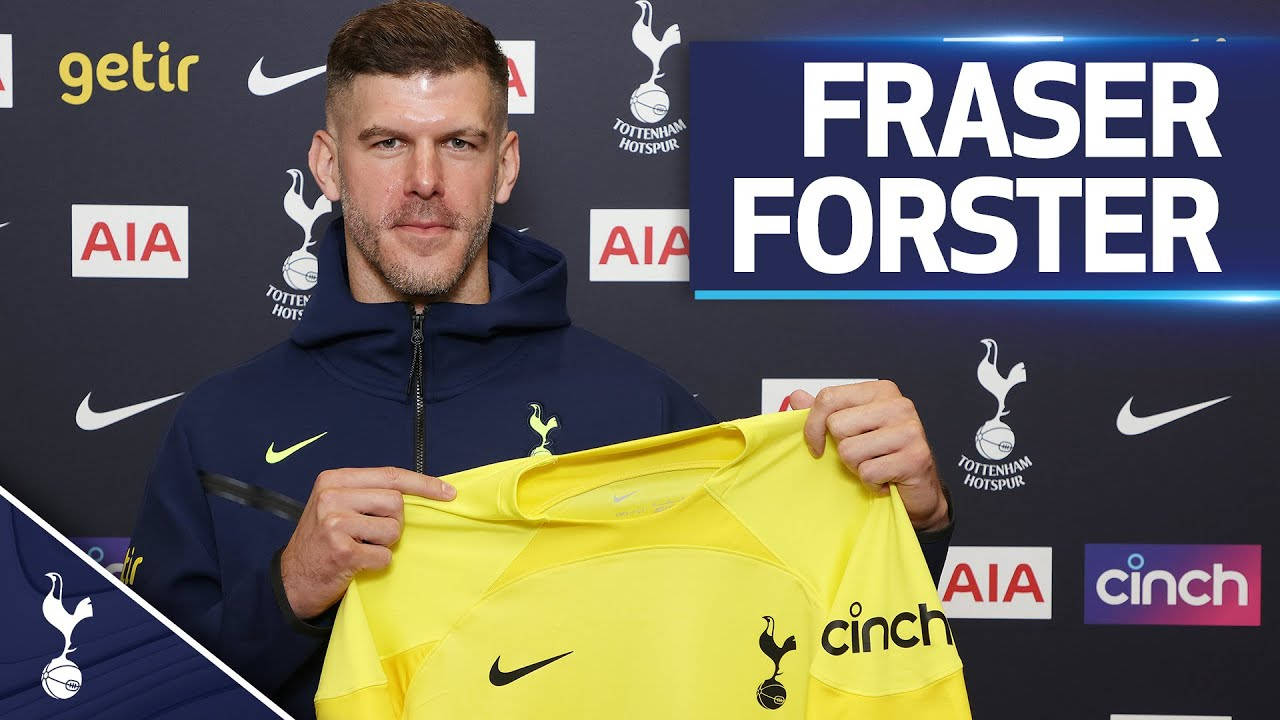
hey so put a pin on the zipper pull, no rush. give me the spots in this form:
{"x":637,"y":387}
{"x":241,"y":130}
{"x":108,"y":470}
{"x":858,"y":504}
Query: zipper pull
{"x":415,"y":368}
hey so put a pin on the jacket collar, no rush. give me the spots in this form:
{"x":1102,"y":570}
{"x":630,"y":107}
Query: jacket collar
{"x":367,"y":345}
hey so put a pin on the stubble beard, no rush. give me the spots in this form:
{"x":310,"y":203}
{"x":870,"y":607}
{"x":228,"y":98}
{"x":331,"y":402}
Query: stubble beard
{"x":428,"y":282}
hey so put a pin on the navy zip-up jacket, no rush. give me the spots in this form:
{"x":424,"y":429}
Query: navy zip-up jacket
{"x":353,"y":382}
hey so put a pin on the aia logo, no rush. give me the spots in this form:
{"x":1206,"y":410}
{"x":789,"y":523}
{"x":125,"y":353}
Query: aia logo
{"x":1173,"y":584}
{"x":129,"y":241}
{"x":640,"y":245}
{"x":775,"y":393}
{"x":6,"y":71}
{"x":998,"y":582}
{"x":520,"y":75}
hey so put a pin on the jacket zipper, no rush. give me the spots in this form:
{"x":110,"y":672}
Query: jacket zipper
{"x":416,"y":392}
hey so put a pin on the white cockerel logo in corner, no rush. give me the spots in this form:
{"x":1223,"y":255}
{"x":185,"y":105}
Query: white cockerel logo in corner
{"x":542,"y":428}
{"x":61,"y":677}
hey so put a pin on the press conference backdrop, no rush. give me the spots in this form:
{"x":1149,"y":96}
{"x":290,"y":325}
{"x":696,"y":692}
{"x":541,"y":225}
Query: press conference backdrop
{"x":156,"y":217}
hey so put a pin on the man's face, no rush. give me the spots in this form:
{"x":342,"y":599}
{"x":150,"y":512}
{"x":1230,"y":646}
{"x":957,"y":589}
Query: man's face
{"x":419,"y":166}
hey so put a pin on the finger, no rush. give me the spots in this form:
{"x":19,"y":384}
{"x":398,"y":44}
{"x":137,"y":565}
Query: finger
{"x":369,"y":529}
{"x":370,"y":557}
{"x":839,"y":397}
{"x":856,"y":450}
{"x":392,"y":478}
{"x":904,"y":466}
{"x":800,"y":400}
{"x":366,"y":501}
{"x":865,"y":418}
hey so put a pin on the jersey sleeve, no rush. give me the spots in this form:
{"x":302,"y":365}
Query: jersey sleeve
{"x":887,"y":650}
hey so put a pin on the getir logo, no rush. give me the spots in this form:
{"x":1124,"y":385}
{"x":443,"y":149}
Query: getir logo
{"x":6,"y":71}
{"x":115,"y":72}
{"x":1173,"y":584}
{"x":640,"y":245}
{"x":129,"y":241}
{"x":998,"y":582}
{"x":520,"y":75}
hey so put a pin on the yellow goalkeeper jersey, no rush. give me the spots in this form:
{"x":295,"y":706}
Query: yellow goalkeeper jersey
{"x":719,"y":572}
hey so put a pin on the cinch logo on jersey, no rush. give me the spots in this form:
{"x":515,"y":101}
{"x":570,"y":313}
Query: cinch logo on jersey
{"x":775,"y":393}
{"x":998,"y":582}
{"x":861,"y":634}
{"x":639,"y":245}
{"x":129,"y":241}
{"x":300,"y":268}
{"x":995,"y":440}
{"x":115,"y":72}
{"x":520,"y":77}
{"x":1173,"y":584}
{"x":6,"y":71}
{"x":649,"y":102}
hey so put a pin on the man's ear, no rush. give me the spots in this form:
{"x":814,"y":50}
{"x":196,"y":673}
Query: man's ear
{"x":508,"y":167}
{"x":323,"y":160}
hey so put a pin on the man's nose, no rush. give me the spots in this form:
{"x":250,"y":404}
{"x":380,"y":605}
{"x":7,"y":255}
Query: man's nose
{"x":424,"y":172}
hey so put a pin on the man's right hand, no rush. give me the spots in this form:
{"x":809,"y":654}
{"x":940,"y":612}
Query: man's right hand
{"x":351,"y":520}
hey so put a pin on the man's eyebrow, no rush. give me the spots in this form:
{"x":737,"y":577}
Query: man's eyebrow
{"x":376,"y":131}
{"x":379,"y":131}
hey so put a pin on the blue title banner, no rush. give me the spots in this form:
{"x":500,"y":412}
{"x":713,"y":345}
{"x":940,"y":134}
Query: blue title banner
{"x":1047,"y":168}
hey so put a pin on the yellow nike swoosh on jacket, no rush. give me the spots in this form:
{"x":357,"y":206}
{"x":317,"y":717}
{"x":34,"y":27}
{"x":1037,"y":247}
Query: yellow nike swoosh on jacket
{"x":274,"y":456}
{"x":744,"y":578}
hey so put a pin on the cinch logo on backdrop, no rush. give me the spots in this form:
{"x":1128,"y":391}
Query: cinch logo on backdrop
{"x":998,"y":582}
{"x":775,"y":393}
{"x":129,"y":241}
{"x":639,"y":245}
{"x":6,"y":71}
{"x":140,"y":69}
{"x":1173,"y":584}
{"x":924,"y":169}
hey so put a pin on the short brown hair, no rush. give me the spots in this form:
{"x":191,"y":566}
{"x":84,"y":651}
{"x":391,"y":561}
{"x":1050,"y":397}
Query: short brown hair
{"x":407,"y":37}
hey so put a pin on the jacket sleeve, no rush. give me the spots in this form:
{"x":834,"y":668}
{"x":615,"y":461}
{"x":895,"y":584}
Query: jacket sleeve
{"x":683,"y":411}
{"x":174,"y":566}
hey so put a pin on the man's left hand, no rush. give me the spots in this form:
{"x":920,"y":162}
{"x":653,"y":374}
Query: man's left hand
{"x":880,"y":437}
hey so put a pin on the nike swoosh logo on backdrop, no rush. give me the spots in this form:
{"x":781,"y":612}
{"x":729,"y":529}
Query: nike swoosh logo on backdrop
{"x":499,"y":678}
{"x":260,"y":84}
{"x":1128,"y":424}
{"x":87,"y":419}
{"x":274,"y":456}
{"x":4,"y":224}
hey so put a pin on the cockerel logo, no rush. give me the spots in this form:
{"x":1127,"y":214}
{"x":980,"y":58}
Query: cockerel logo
{"x":542,"y":428}
{"x":61,"y":677}
{"x":771,"y":694}
{"x":649,"y":102}
{"x":994,"y":439}
{"x":300,"y":268}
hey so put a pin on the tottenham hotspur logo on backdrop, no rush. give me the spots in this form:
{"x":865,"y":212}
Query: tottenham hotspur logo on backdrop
{"x":995,"y":440}
{"x":61,"y":677}
{"x":650,"y":104}
{"x":300,"y":268}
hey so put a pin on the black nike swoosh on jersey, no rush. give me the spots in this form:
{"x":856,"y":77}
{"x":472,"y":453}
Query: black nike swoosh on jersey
{"x":500,"y":678}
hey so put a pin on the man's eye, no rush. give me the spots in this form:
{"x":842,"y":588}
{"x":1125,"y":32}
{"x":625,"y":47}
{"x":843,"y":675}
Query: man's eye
{"x":388,"y":144}
{"x":458,"y":144}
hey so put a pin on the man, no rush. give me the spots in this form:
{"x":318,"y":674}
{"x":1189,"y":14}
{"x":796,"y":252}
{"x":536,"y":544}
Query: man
{"x":434,"y":340}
